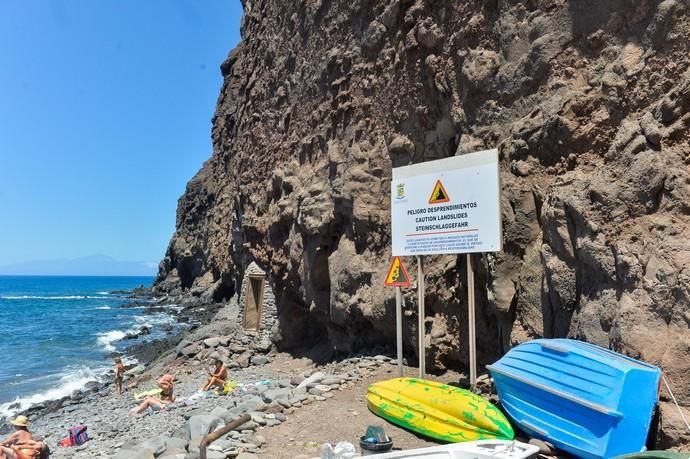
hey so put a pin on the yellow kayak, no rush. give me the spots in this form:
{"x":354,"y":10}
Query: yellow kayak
{"x":439,"y":411}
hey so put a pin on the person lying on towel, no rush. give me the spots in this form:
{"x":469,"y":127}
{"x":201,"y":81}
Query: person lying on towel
{"x":166,"y":397}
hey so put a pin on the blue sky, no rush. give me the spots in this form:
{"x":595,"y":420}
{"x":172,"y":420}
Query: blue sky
{"x":105,"y":114}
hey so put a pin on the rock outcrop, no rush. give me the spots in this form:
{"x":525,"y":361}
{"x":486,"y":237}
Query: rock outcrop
{"x":588,"y":103}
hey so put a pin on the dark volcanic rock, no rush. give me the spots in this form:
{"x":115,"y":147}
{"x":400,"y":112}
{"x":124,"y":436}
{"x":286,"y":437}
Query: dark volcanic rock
{"x":589,"y":105}
{"x":149,"y":350}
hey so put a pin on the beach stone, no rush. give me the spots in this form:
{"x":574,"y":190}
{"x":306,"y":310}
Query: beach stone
{"x":258,"y":418}
{"x":236,"y":348}
{"x":175,"y":453}
{"x":544,"y":448}
{"x":191,"y":350}
{"x":181,"y":345}
{"x":244,"y":359}
{"x":200,"y":425}
{"x":259,"y":360}
{"x":249,"y":426}
{"x":297,"y":380}
{"x":275,"y":394}
{"x":131,"y":454}
{"x":176,"y":443}
{"x":158,"y":445}
{"x":253,"y":403}
{"x":136,"y":371}
{"x":222,"y":444}
{"x":366,"y":364}
{"x":263,"y":346}
{"x":313,"y":379}
{"x":212,"y":342}
{"x":220,"y":412}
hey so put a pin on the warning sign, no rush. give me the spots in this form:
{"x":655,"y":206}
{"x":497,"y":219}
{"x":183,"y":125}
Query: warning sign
{"x":450,"y":205}
{"x":397,"y":275}
{"x":439,"y":194}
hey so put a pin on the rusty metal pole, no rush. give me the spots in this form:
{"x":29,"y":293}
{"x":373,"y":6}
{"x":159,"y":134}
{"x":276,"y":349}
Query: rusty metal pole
{"x":213,"y":436}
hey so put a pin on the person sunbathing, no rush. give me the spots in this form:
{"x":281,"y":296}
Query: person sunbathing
{"x":21,"y":434}
{"x":27,"y":449}
{"x":166,"y":397}
{"x":217,"y":376}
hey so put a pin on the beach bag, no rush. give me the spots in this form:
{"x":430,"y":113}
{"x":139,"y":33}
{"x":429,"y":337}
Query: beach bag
{"x":229,"y":386}
{"x":78,"y":435}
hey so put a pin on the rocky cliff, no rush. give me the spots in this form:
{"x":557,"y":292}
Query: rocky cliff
{"x":588,"y":103}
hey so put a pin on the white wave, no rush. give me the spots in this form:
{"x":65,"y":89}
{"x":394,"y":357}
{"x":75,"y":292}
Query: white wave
{"x":152,"y":320}
{"x":38,"y":297}
{"x":103,"y":293}
{"x":68,"y":382}
{"x":102,"y":308}
{"x":107,"y":339}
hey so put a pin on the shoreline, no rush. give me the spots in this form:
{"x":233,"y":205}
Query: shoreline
{"x":271,"y":386}
{"x":78,"y":382}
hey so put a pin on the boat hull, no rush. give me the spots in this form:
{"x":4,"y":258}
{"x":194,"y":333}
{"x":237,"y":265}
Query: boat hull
{"x":438,"y":411}
{"x":483,"y":449}
{"x":586,"y":400}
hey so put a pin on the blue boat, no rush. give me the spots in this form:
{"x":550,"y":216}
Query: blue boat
{"x":586,"y":400}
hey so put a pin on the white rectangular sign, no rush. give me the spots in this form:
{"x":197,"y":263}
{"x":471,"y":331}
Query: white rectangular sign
{"x":451,"y":205}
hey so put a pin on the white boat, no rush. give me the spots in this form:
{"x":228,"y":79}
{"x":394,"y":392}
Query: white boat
{"x":482,"y":449}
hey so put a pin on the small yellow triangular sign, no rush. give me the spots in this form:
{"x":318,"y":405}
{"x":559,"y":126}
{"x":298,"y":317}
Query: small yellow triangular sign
{"x":439,"y":194}
{"x":397,"y":275}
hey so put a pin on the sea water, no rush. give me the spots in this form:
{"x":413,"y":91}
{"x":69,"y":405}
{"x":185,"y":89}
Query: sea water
{"x":56,"y":333}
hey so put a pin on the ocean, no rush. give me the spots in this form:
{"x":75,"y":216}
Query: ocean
{"x":57,"y":333}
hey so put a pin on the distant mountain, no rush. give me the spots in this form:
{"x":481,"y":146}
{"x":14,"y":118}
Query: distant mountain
{"x":95,"y":265}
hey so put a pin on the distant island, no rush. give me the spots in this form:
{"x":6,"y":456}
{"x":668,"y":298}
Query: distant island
{"x":94,"y":265}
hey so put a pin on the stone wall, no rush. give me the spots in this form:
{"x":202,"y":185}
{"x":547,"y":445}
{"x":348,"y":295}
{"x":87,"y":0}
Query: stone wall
{"x":269,"y":312}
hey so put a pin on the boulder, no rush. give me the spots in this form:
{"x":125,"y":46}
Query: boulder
{"x":158,"y":445}
{"x":313,"y":379}
{"x":259,"y":360}
{"x":191,"y":350}
{"x":181,"y":345}
{"x":176,"y":443}
{"x":199,"y":425}
{"x":212,"y":342}
{"x":244,"y":359}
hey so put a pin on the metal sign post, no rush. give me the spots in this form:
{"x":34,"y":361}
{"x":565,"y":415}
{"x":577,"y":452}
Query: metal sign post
{"x":397,"y":277}
{"x":471,"y":320}
{"x":447,"y":206}
{"x":398,"y":329}
{"x":420,"y":313}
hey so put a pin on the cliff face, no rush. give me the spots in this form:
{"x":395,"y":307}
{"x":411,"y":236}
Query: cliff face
{"x":588,"y":103}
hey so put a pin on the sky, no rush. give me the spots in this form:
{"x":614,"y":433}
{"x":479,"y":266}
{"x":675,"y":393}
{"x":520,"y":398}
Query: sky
{"x":105,"y":114}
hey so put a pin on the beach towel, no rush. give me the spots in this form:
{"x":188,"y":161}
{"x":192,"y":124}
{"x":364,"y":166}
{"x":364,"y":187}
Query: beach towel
{"x":147,"y":393}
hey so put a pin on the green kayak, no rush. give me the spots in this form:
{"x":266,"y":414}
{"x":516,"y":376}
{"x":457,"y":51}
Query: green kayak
{"x":656,"y":454}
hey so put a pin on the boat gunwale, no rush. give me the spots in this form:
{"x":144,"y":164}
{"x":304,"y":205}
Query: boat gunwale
{"x":577,"y":400}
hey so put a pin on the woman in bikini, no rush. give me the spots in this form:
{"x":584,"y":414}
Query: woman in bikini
{"x":158,"y":403}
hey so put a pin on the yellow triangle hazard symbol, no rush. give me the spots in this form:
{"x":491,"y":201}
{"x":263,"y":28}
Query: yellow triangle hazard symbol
{"x":439,"y":194}
{"x":397,"y":275}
